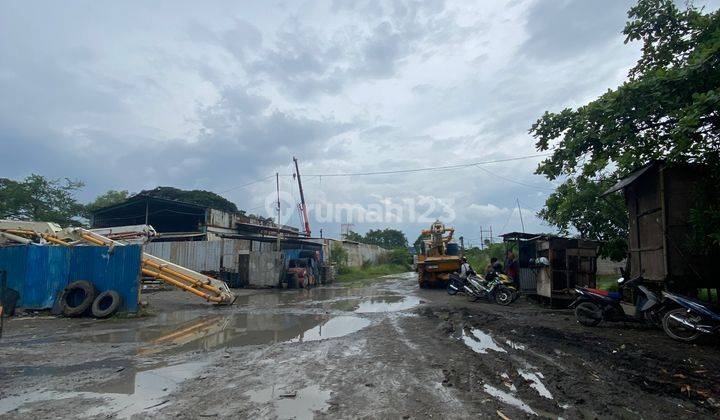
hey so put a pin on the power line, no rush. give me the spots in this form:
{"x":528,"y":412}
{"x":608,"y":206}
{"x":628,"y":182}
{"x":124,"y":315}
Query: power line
{"x":432,"y":168}
{"x":248,"y":184}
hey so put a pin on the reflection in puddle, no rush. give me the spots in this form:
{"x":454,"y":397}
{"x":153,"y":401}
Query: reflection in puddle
{"x":299,"y":405}
{"x":387,"y":304}
{"x":336,"y":327}
{"x":141,"y":392}
{"x":515,"y":346}
{"x":508,"y":399}
{"x":207,"y":333}
{"x":536,"y":383}
{"x":480,"y":341}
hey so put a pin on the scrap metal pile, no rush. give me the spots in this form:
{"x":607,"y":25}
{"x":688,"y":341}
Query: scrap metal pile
{"x":208,"y":288}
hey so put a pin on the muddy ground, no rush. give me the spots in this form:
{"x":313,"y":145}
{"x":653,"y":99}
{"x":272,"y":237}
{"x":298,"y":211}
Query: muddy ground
{"x":377,"y":350}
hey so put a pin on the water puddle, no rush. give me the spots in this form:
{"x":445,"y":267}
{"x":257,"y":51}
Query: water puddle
{"x":514,"y":345}
{"x":536,"y":383}
{"x":387,"y":304}
{"x":300,"y":404}
{"x":207,"y":333}
{"x":139,"y":392}
{"x":480,"y":341}
{"x":336,"y":327}
{"x":508,"y":399}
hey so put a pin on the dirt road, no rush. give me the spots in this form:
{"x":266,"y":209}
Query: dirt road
{"x":379,"y":350}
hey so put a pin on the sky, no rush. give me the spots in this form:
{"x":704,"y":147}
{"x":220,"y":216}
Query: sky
{"x":221,"y":95}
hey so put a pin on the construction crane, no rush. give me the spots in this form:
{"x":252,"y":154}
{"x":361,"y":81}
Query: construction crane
{"x":303,"y":207}
{"x":208,"y":288}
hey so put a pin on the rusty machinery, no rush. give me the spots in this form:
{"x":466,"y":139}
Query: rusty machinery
{"x":208,"y":288}
{"x":435,"y":264}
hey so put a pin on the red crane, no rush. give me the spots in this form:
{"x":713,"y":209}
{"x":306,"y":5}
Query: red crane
{"x":303,"y":207}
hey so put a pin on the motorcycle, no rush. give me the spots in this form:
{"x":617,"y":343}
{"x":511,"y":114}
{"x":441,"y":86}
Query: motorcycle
{"x":477,"y":288}
{"x":593,"y":306}
{"x":691,"y":320}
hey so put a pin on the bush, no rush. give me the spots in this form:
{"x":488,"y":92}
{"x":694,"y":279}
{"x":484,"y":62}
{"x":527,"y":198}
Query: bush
{"x":339,"y":257}
{"x":400,"y":256}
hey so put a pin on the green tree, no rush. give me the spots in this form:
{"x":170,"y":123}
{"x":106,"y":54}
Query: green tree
{"x":339,"y":256}
{"x":200,"y":197}
{"x":386,"y":238}
{"x":111,"y":197}
{"x":354,"y":237}
{"x":41,"y":199}
{"x":667,"y":109}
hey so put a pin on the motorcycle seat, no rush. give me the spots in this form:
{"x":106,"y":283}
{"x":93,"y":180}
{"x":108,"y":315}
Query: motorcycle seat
{"x":611,"y":295}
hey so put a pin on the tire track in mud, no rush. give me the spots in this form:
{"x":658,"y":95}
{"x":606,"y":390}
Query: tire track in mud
{"x":587,"y":375}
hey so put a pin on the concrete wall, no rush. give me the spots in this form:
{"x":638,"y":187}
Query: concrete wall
{"x":608,"y":267}
{"x":357,"y":252}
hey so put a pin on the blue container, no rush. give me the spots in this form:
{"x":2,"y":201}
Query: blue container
{"x":453,"y":249}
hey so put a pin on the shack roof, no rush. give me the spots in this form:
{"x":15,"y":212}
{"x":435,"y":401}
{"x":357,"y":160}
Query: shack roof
{"x":519,"y":235}
{"x":632,"y":177}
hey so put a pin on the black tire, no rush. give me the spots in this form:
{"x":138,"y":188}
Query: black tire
{"x":588,"y":314}
{"x":450,"y":290}
{"x":106,"y":304}
{"x":503,"y":296}
{"x":77,"y":297}
{"x":678,"y":331}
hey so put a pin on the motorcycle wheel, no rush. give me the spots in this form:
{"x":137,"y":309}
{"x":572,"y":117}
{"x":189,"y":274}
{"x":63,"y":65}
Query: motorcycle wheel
{"x":450,"y":290}
{"x":503,"y":296}
{"x":678,"y":331}
{"x":588,"y":314}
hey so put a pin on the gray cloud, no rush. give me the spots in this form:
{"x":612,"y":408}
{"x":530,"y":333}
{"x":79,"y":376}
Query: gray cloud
{"x":559,"y":29}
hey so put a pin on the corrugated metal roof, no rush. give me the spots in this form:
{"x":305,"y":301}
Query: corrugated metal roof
{"x":629,"y":179}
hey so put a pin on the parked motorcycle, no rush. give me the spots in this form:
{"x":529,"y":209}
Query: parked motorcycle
{"x":593,"y":306}
{"x":691,"y":320}
{"x":477,"y":288}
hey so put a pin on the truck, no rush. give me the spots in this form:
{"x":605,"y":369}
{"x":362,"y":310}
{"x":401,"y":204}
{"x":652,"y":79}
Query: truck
{"x":438,"y":256}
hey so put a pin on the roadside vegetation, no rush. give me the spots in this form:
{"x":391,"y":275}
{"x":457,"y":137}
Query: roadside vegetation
{"x":396,"y":261}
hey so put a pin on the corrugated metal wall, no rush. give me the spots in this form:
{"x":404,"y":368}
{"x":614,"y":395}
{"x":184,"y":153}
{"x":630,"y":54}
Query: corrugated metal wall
{"x":203,"y":256}
{"x":40,"y":273}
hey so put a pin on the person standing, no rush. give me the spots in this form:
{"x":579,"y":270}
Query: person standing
{"x":511,"y":267}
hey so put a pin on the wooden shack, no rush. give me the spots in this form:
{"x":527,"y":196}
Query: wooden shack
{"x":572,"y":263}
{"x":659,"y":198}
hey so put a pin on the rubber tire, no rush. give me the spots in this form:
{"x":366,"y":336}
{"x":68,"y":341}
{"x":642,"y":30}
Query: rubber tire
{"x":590,"y":307}
{"x":450,"y":290}
{"x":87,"y":288}
{"x":671,"y":334}
{"x":110,"y":310}
{"x":503,"y":296}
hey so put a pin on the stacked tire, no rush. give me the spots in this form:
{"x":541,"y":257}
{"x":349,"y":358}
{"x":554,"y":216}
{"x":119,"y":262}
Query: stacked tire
{"x":81,"y":298}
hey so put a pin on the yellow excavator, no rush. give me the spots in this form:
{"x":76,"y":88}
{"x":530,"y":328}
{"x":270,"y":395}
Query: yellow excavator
{"x":438,"y":258}
{"x":205,"y":287}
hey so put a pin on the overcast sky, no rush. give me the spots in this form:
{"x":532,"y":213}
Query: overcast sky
{"x":213,"y":95}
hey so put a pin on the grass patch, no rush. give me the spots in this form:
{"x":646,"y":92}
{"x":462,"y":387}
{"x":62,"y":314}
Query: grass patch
{"x":369,"y":272}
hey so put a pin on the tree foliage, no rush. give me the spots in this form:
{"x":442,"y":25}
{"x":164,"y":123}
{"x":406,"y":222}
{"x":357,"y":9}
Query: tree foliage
{"x":384,"y":238}
{"x":199,"y":197}
{"x":41,"y":199}
{"x":111,"y":197}
{"x":666,"y":110}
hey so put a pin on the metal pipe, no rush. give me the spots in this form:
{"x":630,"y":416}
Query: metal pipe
{"x":181,"y":285}
{"x":182,"y":276}
{"x":16,"y":238}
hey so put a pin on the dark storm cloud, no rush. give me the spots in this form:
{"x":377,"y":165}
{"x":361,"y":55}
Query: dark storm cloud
{"x":559,"y":29}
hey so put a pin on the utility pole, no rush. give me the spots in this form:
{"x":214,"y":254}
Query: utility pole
{"x":482,"y":242}
{"x":520,"y":212}
{"x":492,"y":240}
{"x":277,"y":187}
{"x":303,"y":207}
